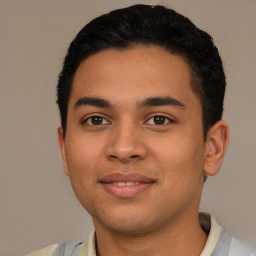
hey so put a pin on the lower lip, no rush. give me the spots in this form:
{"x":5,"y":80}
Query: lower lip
{"x":126,"y":191}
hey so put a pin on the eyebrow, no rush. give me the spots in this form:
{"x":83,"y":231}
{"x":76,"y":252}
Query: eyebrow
{"x":92,"y":101}
{"x":160,"y":101}
{"x":148,"y":102}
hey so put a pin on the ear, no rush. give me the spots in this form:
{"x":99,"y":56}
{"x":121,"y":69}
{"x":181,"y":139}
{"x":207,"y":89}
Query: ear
{"x":216,"y":145}
{"x":62,"y":149}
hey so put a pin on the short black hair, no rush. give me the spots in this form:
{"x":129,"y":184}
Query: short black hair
{"x":157,"y":26}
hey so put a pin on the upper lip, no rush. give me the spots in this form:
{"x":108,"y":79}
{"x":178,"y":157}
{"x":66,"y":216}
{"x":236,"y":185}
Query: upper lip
{"x":129,"y":177}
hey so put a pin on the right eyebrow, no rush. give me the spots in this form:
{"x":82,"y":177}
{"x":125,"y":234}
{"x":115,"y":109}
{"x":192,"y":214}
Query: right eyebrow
{"x":92,"y":101}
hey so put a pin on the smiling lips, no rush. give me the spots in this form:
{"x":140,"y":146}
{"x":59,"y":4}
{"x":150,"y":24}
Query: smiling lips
{"x":126,"y":185}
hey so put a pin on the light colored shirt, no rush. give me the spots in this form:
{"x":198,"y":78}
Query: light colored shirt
{"x":88,"y":248}
{"x":208,"y":223}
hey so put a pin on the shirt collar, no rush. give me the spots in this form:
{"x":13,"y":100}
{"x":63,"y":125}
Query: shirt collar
{"x":208,"y":223}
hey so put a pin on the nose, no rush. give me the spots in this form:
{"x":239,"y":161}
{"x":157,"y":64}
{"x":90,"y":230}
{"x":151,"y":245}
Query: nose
{"x":126,"y":144}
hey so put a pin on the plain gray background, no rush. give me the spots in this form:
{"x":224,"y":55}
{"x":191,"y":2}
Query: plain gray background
{"x":37,"y":205}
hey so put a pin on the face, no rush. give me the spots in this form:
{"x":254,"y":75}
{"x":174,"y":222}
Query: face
{"x":134,"y":146}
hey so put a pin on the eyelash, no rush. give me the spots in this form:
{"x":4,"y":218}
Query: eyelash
{"x":85,"y":121}
{"x":167,"y":120}
{"x":105,"y":121}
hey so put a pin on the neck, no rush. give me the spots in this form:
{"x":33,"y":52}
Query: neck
{"x":175,"y":240}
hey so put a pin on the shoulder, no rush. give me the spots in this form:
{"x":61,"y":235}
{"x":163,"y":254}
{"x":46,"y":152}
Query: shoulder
{"x":47,"y":251}
{"x":67,"y":248}
{"x":239,"y":248}
{"x":220,"y":242}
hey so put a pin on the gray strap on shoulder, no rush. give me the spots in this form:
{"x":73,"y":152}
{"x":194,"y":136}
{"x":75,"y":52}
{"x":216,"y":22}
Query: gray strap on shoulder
{"x":223,"y":245}
{"x":68,"y":249}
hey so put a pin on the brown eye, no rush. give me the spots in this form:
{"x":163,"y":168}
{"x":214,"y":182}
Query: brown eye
{"x":96,"y":120}
{"x":159,"y":120}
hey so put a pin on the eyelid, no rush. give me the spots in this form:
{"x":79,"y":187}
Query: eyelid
{"x":167,"y":116}
{"x":89,"y":116}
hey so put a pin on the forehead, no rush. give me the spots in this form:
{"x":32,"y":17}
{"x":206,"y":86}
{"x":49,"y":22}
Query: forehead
{"x":142,"y":71}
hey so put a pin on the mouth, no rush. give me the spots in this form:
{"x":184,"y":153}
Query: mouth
{"x":126,"y":185}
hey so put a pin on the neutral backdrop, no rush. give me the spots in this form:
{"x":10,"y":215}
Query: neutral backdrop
{"x":37,"y":205}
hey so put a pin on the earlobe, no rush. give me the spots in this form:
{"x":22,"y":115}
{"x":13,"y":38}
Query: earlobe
{"x":216,"y":144}
{"x":62,"y":149}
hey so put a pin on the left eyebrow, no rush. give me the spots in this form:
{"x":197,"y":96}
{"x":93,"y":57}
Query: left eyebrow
{"x":160,"y":101}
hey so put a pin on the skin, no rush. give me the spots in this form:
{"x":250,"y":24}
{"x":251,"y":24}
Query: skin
{"x":128,"y":138}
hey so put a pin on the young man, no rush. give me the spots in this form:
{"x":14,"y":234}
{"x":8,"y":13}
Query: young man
{"x":141,"y":100}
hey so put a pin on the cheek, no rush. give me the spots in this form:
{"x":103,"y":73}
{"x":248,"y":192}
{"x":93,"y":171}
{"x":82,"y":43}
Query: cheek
{"x":81,"y":164}
{"x":181,"y":164}
{"x":81,"y":151}
{"x":180,"y":156}
{"x":82,"y":158}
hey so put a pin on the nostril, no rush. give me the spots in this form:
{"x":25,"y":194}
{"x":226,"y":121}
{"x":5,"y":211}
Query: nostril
{"x":113,"y":156}
{"x":125,"y":152}
{"x":134,"y":156}
{"x":116,"y":157}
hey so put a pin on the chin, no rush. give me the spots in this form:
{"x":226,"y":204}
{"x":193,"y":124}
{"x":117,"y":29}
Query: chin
{"x":130,"y":225}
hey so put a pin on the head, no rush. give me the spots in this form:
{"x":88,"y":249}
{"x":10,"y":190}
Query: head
{"x":141,"y":95}
{"x":155,"y":26}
